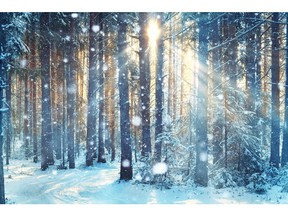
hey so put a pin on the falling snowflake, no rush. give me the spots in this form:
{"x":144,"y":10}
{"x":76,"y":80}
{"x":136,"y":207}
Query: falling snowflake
{"x":159,"y":168}
{"x":84,"y":29}
{"x":138,"y":177}
{"x":65,"y":60}
{"x":105,"y":67}
{"x":203,"y":156}
{"x":137,"y":29}
{"x":74,"y":15}
{"x":23,"y":63}
{"x":220,"y":96}
{"x":126,"y":163}
{"x":95,"y":28}
{"x":136,"y":121}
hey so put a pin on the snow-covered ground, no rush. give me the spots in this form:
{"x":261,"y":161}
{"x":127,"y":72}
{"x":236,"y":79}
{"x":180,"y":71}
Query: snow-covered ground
{"x":25,"y":183}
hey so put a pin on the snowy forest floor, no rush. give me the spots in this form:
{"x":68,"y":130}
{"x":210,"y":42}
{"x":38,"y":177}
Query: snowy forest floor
{"x":25,"y":183}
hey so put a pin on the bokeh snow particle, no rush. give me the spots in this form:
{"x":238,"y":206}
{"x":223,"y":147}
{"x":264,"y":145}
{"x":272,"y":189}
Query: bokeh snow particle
{"x":136,"y":121}
{"x":203,"y":156}
{"x":138,"y":177}
{"x":95,"y":28}
{"x":74,"y":15}
{"x":126,"y":163}
{"x":23,"y":63}
{"x":159,"y":168}
{"x":54,"y":172}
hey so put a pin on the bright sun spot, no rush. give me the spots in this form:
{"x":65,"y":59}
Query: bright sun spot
{"x":153,"y":32}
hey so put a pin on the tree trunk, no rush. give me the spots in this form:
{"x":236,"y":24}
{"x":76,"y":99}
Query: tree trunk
{"x":92,"y":86}
{"x":46,"y":148}
{"x":144,"y":68}
{"x":3,"y":75}
{"x":101,"y":129}
{"x":201,"y":172}
{"x":71,"y":95}
{"x":110,"y":90}
{"x":284,"y":153}
{"x":126,"y":152}
{"x":275,"y":102}
{"x":33,"y":89}
{"x":159,"y":96}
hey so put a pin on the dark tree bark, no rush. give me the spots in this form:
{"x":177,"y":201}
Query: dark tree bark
{"x":159,"y":96}
{"x":144,"y":67}
{"x":46,"y":143}
{"x":92,"y":86}
{"x":126,"y":152}
{"x":101,"y":130}
{"x":284,"y":153}
{"x":9,"y":121}
{"x":3,"y":73}
{"x":275,"y":102}
{"x":201,"y":170}
{"x":71,"y":94}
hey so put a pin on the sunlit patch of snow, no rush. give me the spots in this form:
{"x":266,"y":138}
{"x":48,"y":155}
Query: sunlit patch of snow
{"x":54,"y":172}
{"x":159,"y":168}
{"x":136,"y":121}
